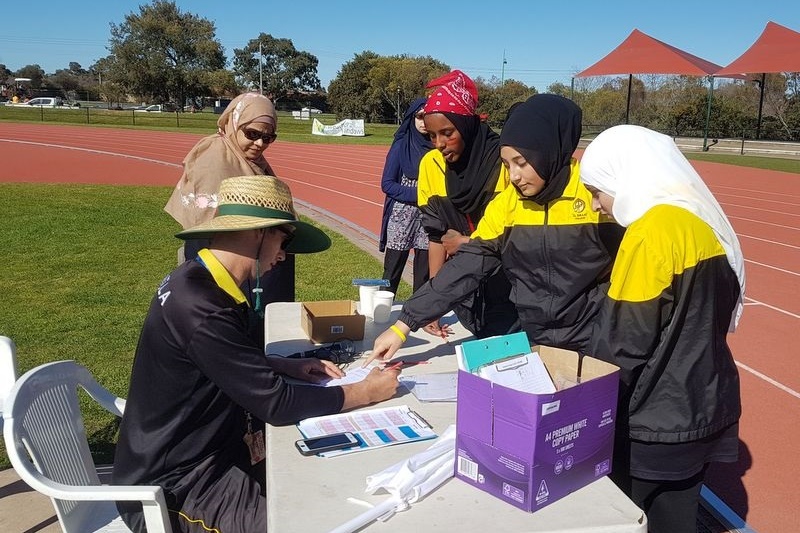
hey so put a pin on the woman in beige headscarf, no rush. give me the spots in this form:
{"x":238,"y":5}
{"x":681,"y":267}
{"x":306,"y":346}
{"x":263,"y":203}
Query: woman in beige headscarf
{"x":245,"y":129}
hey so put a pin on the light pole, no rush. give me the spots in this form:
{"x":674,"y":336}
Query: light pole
{"x":260,"y":75}
{"x":503,"y":68}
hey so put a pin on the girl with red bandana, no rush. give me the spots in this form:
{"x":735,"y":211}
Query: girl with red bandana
{"x":456,"y":182}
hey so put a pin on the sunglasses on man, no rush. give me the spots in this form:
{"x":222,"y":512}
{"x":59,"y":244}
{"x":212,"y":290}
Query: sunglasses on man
{"x":288,"y":236}
{"x":254,"y":135}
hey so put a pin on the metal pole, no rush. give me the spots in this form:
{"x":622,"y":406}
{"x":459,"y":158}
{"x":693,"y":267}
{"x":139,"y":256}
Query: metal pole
{"x":503,"y":69}
{"x":260,"y":75}
{"x":760,"y":105}
{"x":708,"y":111}
{"x":628,"y":105}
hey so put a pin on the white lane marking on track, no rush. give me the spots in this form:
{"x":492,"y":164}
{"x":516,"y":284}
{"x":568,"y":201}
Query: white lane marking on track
{"x":284,"y":177}
{"x":751,"y":208}
{"x":773,"y":267}
{"x":731,"y":217}
{"x":768,"y":306}
{"x":769,"y":241}
{"x":90,"y":150}
{"x":768,"y":379}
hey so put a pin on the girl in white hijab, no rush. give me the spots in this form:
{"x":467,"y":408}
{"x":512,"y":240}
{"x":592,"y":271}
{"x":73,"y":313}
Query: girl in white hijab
{"x":677,"y":288}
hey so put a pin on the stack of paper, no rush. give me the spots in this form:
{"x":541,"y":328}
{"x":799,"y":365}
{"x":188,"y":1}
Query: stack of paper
{"x":432,"y":387}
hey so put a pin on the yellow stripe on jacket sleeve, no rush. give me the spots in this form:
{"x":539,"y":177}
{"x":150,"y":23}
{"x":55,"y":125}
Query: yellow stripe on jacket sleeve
{"x":431,"y":177}
{"x":662,"y":244}
{"x":497,"y":216}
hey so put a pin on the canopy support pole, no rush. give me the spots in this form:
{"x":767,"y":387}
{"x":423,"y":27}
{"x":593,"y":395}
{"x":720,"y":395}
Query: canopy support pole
{"x":628,"y":104}
{"x":760,"y":104}
{"x":708,"y":112}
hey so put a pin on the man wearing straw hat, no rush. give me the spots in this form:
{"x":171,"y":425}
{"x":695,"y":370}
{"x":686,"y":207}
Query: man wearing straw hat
{"x":201,"y":385}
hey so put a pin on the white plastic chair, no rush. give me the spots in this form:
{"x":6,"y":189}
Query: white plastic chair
{"x":8,"y":370}
{"x":46,"y":442}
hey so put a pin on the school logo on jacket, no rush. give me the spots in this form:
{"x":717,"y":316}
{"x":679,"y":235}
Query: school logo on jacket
{"x":578,"y":206}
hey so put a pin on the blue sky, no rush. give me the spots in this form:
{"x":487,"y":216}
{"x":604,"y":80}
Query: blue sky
{"x":543,"y":41}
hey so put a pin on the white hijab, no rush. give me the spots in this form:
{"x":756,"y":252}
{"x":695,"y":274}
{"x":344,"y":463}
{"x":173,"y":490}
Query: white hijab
{"x":642,"y":168}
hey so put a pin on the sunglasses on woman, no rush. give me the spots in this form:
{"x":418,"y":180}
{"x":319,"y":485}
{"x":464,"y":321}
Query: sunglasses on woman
{"x":254,"y":135}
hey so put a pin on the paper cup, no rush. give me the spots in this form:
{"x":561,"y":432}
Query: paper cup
{"x":365,"y":293}
{"x":382,"y":306}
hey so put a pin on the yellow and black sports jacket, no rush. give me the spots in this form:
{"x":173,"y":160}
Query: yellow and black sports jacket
{"x":665,"y":322}
{"x":486,"y":309}
{"x":438,"y":214}
{"x":554,"y":256}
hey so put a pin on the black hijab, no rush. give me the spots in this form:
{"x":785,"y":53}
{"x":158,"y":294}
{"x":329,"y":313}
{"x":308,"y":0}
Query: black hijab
{"x":472,"y":179}
{"x":545,"y":129}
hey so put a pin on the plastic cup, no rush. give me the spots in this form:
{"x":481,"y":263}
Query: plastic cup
{"x":382,"y":306}
{"x":365,"y":294}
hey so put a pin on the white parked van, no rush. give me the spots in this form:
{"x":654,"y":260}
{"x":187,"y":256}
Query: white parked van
{"x":45,"y":101}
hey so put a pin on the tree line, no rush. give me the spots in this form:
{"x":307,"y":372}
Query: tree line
{"x":161,"y":54}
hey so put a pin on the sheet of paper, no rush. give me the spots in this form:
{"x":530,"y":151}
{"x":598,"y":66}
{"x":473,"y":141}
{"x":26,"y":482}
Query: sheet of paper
{"x":353,"y":374}
{"x":374,"y":428}
{"x":441,"y":387}
{"x":523,"y":372}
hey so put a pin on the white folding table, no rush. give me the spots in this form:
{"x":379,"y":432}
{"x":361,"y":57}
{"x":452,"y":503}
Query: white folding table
{"x":314,"y":494}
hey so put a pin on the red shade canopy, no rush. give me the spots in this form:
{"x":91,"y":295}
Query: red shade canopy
{"x":777,"y":49}
{"x":642,"y":54}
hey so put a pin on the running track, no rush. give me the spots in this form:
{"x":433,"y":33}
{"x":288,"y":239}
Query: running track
{"x":345,"y":180}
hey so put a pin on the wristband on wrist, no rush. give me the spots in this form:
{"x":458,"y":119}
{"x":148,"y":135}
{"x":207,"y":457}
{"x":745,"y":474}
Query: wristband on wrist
{"x":398,"y":332}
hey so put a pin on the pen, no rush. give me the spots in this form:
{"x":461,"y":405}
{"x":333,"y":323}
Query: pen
{"x":400,"y":364}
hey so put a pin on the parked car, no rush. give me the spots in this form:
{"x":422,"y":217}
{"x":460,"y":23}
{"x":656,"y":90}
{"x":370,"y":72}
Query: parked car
{"x":311,"y":111}
{"x":45,"y":101}
{"x":158,"y":108}
{"x":41,"y":101}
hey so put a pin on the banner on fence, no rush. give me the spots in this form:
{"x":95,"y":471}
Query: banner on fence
{"x":351,"y":127}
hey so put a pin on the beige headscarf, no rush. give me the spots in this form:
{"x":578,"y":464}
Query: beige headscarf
{"x":217,"y":157}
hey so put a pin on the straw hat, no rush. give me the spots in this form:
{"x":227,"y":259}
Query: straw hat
{"x":254,"y":202}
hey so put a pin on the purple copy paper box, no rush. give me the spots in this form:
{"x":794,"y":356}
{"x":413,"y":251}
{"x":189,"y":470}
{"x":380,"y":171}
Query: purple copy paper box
{"x":533,"y":449}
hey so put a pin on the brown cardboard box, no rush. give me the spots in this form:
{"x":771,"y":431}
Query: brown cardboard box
{"x":332,"y":320}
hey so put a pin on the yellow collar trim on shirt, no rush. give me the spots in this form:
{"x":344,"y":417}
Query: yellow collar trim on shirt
{"x":221,"y":275}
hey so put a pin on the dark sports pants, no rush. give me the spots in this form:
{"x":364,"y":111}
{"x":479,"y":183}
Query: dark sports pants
{"x":670,"y":506}
{"x":394,"y":261}
{"x":233,"y":503}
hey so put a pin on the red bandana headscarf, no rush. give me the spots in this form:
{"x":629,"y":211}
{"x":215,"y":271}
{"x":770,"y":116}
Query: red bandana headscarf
{"x":454,"y":92}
